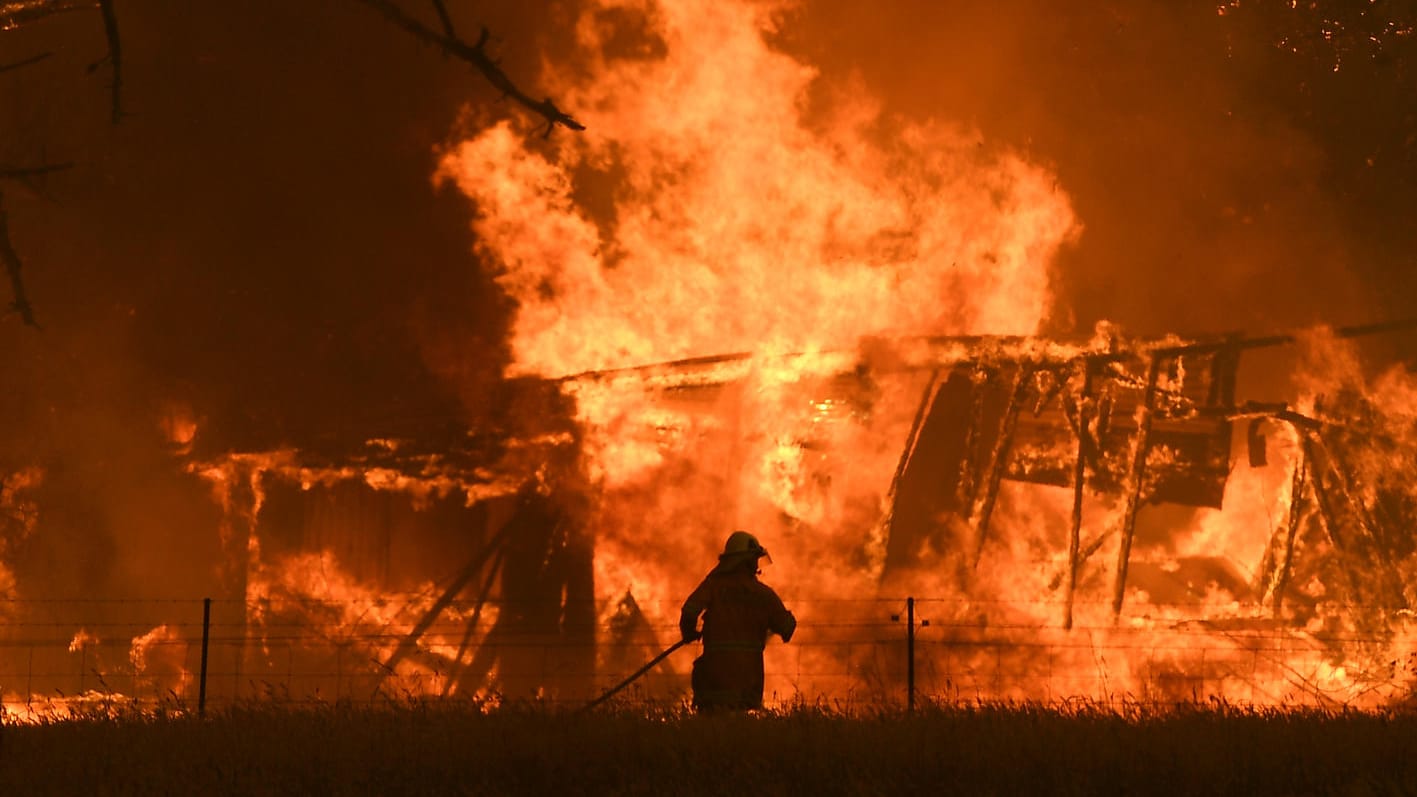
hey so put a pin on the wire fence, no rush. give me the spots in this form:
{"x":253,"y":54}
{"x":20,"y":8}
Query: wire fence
{"x":61,"y":656}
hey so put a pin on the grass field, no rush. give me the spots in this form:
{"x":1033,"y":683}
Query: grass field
{"x":974,"y":750}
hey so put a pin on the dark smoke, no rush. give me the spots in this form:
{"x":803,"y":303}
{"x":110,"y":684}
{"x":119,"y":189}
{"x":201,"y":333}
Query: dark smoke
{"x":1223,"y":181}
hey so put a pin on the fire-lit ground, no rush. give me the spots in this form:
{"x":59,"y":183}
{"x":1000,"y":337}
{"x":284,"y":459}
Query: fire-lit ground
{"x":442,"y":748}
{"x":740,"y":300}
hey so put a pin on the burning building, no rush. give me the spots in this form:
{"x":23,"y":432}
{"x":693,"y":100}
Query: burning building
{"x":851,"y":312}
{"x":1011,"y":507}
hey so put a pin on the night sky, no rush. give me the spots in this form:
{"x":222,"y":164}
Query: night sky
{"x":260,"y":238}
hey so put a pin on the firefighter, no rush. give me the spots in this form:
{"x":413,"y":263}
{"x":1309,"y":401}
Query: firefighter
{"x":739,"y":612}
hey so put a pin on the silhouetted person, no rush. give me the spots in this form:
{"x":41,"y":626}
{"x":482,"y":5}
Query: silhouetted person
{"x":739,"y":612}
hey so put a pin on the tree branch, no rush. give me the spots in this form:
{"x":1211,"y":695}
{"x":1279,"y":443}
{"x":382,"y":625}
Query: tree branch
{"x":14,"y":14}
{"x":8,"y":256}
{"x":24,"y":62}
{"x":476,"y":55}
{"x":115,"y":55}
{"x":22,"y":172}
{"x":446,"y":19}
{"x":11,"y":259}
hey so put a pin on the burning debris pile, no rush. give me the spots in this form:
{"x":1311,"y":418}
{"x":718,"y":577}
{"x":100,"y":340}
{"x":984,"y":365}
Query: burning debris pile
{"x":1352,"y":506}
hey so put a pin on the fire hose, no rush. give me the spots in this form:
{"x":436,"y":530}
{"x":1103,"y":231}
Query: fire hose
{"x":612,"y":691}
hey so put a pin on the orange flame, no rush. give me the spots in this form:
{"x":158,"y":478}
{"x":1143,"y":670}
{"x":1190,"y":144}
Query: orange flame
{"x":744,"y":220}
{"x":738,"y":225}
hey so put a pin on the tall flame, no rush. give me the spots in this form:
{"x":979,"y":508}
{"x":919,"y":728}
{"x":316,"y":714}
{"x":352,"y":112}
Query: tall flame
{"x":738,"y":224}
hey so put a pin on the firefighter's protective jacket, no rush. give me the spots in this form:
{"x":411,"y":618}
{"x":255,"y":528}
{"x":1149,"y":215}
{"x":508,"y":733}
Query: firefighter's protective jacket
{"x":739,"y":612}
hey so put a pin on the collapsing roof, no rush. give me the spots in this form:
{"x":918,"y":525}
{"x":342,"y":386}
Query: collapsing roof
{"x":1150,"y":423}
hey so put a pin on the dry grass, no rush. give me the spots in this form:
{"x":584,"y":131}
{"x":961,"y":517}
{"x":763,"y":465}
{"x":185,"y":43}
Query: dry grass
{"x":431,"y":748}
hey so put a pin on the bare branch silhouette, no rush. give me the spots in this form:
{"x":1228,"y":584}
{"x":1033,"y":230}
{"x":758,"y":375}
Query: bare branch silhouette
{"x":475,"y":54}
{"x":11,"y":259}
{"x":115,"y":55}
{"x":8,"y":256}
{"x":18,"y":13}
{"x":15,"y":14}
{"x":446,"y":19}
{"x":24,"y":62}
{"x":23,"y":172}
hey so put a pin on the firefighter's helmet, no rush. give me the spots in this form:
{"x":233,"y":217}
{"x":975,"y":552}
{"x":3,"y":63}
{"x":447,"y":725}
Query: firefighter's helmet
{"x":742,"y":545}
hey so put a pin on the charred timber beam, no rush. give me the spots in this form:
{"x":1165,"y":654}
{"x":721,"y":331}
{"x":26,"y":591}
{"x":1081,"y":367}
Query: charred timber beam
{"x":476,"y":619}
{"x":410,"y":641}
{"x":476,"y":673}
{"x":1369,"y":527}
{"x":1337,"y":534}
{"x":1079,"y":480}
{"x":1138,"y":475}
{"x":1369,"y":541}
{"x":1085,"y":553}
{"x":965,"y":487}
{"x":237,"y":495}
{"x":964,"y":349}
{"x":1279,"y":411}
{"x":574,"y":661}
{"x":912,"y":439}
{"x":983,"y":507}
{"x":1291,"y":532}
{"x":531,"y":608}
{"x":1283,"y":339}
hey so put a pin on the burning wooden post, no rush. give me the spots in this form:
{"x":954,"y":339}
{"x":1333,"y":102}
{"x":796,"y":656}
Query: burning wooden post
{"x":493,"y":571}
{"x":409,"y":643}
{"x":1142,"y":448}
{"x":981,"y":378}
{"x":1366,"y":607}
{"x":1291,"y":532}
{"x":928,"y":485}
{"x":1084,"y":404}
{"x":1374,"y":543}
{"x":239,"y":489}
{"x":983,"y":505}
{"x":1355,"y":548}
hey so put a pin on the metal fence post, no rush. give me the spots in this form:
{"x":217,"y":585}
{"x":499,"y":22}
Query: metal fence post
{"x":206,"y":641}
{"x":910,"y":653}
